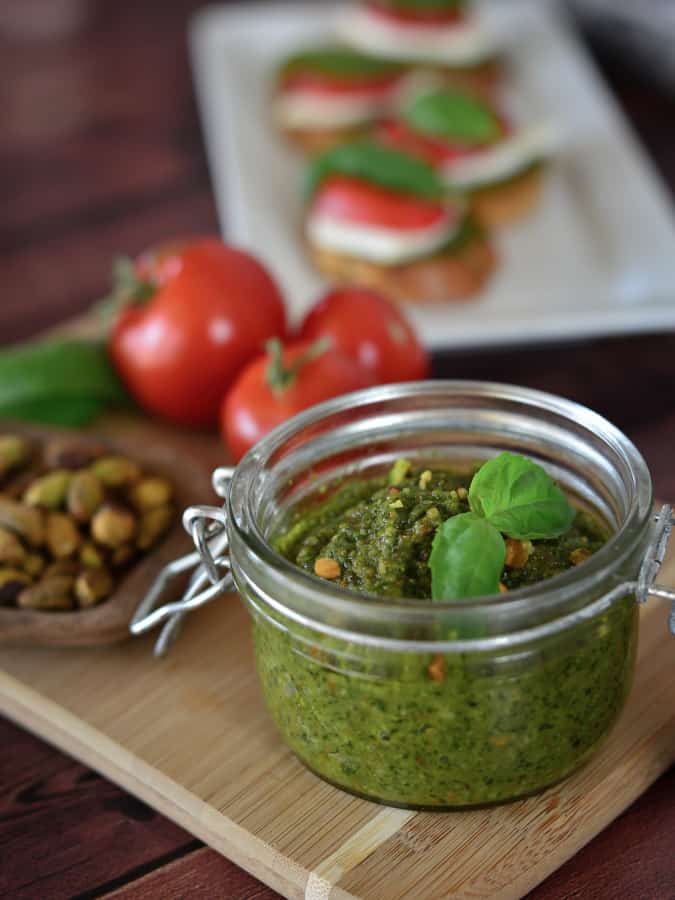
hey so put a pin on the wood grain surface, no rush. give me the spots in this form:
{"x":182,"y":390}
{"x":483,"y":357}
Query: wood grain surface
{"x":190,"y":735}
{"x":101,"y":153}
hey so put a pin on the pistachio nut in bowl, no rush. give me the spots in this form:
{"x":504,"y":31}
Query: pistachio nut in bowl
{"x":442,"y":578}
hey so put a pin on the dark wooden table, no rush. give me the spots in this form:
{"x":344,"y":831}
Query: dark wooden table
{"x":101,"y":153}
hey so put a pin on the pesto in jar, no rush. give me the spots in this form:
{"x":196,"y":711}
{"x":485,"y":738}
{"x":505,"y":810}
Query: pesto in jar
{"x":380,"y":534}
{"x":436,"y":730}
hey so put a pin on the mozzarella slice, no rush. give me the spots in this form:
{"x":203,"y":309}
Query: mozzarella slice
{"x":385,"y":246}
{"x":502,"y":160}
{"x":308,"y":109}
{"x":458,"y":44}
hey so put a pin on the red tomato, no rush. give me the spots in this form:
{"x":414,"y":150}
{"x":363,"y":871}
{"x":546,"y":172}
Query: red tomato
{"x":407,"y":15}
{"x":180,"y":351}
{"x":254,"y":406}
{"x":371,"y":330}
{"x":433,"y":150}
{"x":349,"y":199}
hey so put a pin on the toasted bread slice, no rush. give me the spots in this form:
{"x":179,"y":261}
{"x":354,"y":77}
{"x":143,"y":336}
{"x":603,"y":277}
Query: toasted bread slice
{"x":502,"y":204}
{"x":483,"y":79}
{"x":451,"y":275}
{"x":311,"y":142}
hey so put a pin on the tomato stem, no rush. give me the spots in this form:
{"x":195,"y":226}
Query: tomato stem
{"x":279,"y":376}
{"x":127,"y":290}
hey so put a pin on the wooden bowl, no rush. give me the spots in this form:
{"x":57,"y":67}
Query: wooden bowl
{"x":109,"y":621}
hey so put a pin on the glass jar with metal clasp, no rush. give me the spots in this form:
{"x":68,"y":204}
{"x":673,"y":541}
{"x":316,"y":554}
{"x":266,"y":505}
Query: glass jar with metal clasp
{"x":532,"y":681}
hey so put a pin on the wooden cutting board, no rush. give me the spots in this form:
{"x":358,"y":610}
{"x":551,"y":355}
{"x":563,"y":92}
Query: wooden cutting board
{"x":190,"y":736}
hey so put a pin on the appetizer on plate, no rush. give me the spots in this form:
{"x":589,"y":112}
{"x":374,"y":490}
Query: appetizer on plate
{"x":476,"y":150}
{"x":431,"y":33}
{"x":383,"y":219}
{"x":328,"y":95}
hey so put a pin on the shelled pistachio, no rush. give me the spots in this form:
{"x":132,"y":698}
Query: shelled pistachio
{"x":26,"y":522}
{"x":116,"y":471}
{"x":122,"y":556}
{"x":62,"y":567}
{"x":91,"y":556}
{"x":14,"y":452}
{"x":12,"y":551}
{"x":34,"y":564}
{"x":52,"y":592}
{"x":84,"y":496}
{"x":113,"y":526}
{"x":150,"y":492}
{"x":62,"y":535}
{"x":49,"y":490}
{"x":93,"y":586}
{"x":153,"y":524}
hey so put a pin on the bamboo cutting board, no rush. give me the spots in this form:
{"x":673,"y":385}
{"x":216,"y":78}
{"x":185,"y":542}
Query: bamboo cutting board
{"x":190,"y":736}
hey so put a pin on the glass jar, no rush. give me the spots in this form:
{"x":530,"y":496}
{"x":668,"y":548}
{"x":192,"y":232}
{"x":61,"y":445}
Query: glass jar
{"x":442,"y":705}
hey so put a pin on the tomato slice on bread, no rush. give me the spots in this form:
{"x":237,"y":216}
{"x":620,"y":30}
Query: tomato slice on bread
{"x":396,"y":133}
{"x":323,"y":83}
{"x":344,"y":198}
{"x":339,"y":70}
{"x":410,"y":13}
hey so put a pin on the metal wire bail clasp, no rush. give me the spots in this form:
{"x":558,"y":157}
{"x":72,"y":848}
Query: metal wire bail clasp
{"x":646,"y":585}
{"x":203,"y":523}
{"x":210,"y":562}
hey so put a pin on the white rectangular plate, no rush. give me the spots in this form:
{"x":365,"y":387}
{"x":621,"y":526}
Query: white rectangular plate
{"x":598,"y":257}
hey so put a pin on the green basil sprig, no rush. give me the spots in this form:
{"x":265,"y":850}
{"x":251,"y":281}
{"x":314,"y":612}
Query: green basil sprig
{"x":461,"y":538}
{"x":426,"y":6}
{"x":520,"y":498}
{"x":508,"y":495}
{"x":378,"y":164}
{"x":58,"y":382}
{"x":453,"y":115}
{"x":339,"y":62}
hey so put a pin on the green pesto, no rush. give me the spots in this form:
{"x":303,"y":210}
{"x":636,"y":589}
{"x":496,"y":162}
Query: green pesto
{"x":423,"y":730}
{"x":381,"y":535}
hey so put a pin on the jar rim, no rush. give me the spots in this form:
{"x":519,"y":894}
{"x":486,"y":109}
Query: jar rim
{"x":550,"y":593}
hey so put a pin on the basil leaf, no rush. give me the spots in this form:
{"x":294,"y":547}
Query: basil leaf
{"x":454,"y":116}
{"x":378,"y":164}
{"x":467,"y":558}
{"x":65,"y":382}
{"x":520,"y":499}
{"x":425,"y":6}
{"x":339,"y":62}
{"x":69,"y":412}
